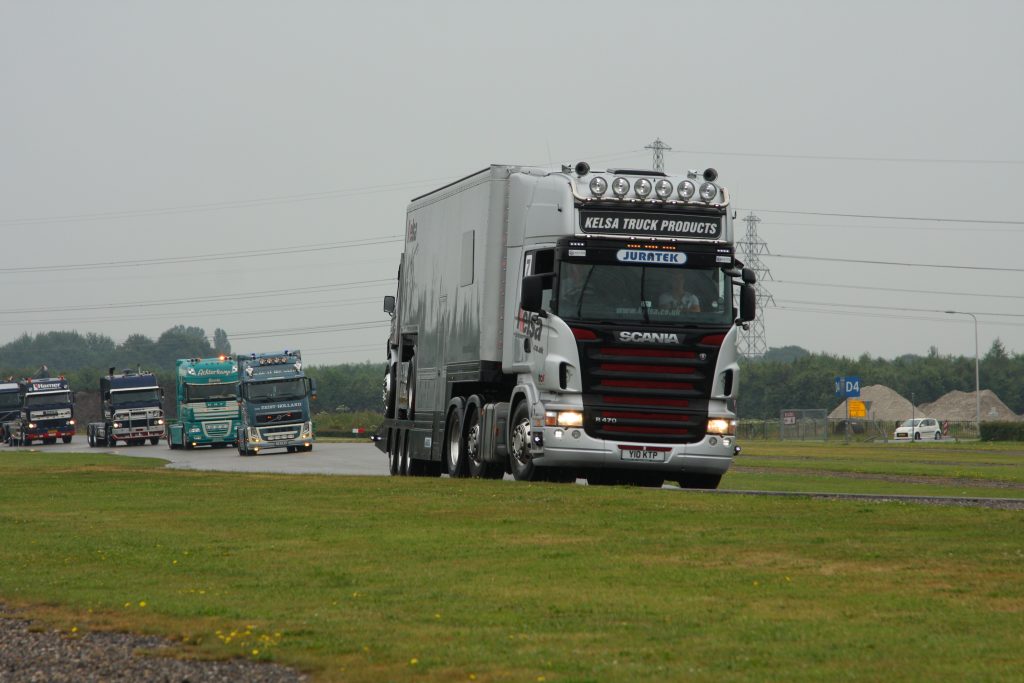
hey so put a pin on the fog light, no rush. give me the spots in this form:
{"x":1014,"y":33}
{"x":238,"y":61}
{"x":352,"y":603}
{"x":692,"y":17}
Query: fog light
{"x":708,"y":191}
{"x":687,"y":189}
{"x":620,"y":186}
{"x":559,"y":433}
{"x":663,"y":188}
{"x":598,"y":186}
{"x":642,"y":187}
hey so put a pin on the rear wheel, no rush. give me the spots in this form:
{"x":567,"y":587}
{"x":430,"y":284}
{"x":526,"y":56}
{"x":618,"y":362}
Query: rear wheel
{"x":917,"y":436}
{"x":403,"y":463}
{"x":699,"y":481}
{"x":454,"y":454}
{"x":938,"y":435}
{"x":519,"y":458}
{"x":395,"y":456}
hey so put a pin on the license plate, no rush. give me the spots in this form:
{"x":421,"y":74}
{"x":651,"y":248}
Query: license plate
{"x":641,"y":454}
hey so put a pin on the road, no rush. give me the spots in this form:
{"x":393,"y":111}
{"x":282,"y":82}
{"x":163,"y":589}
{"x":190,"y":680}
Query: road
{"x":326,"y":458}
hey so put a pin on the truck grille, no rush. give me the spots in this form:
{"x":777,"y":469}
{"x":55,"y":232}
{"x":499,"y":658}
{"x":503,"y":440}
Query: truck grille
{"x":654,"y":393}
{"x":216,"y":429}
{"x":282,"y":433}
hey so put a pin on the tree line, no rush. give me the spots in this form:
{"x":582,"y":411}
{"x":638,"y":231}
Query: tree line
{"x":784,"y":378}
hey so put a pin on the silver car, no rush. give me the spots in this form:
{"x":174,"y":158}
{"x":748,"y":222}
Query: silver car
{"x":919,"y":428}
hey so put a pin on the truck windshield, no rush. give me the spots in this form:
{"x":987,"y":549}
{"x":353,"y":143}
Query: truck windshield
{"x":134,"y":396}
{"x":647,"y":294}
{"x":59,"y":398}
{"x":211,"y":392}
{"x":279,"y":390}
{"x":10,"y":400}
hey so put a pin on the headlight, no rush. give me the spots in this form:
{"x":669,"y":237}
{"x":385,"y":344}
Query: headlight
{"x":71,"y":422}
{"x":117,"y":425}
{"x":663,"y":188}
{"x":642,"y":187}
{"x":620,"y":186}
{"x":598,"y":186}
{"x":708,"y":191}
{"x":563,"y":418}
{"x":160,"y":421}
{"x":721,"y":426}
{"x":31,"y":425}
{"x":686,"y":189}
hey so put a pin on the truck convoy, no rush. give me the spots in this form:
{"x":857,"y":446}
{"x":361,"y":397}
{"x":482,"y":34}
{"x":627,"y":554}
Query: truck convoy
{"x":132,"y":410}
{"x":44,"y":412}
{"x":206,"y":395}
{"x":274,"y":399}
{"x":557,"y":325}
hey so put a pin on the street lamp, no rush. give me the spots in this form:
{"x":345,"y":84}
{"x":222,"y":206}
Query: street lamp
{"x":977,"y":385}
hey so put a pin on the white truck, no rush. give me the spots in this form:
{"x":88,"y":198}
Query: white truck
{"x":558,"y":325}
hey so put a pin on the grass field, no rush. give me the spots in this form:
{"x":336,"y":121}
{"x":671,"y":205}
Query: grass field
{"x":380,"y":579}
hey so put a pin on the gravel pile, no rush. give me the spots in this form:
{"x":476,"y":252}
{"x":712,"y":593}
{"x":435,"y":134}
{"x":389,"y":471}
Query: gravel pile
{"x":55,"y":657}
{"x":963,"y":406}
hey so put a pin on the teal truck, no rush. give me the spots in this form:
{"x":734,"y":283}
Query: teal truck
{"x":206,"y":391}
{"x":275,"y":396}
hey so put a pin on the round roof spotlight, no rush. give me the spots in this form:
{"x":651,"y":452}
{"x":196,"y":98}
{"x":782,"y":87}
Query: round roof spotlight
{"x":687,"y":189}
{"x":642,"y":187}
{"x":620,"y":186}
{"x":710,"y":175}
{"x":708,"y":191}
{"x":598,"y":186}
{"x":583,"y":168}
{"x":663,"y":188}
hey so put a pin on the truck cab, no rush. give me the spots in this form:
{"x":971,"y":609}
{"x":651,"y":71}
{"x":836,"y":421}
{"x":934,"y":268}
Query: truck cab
{"x":275,"y":410}
{"x":46,"y":412}
{"x":206,"y":396}
{"x":132,"y":410}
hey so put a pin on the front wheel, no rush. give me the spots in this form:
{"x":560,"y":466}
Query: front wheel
{"x":519,"y":458}
{"x":154,"y":440}
{"x":66,"y":439}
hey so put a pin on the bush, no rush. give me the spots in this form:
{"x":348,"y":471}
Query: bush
{"x":1002,"y":431}
{"x":342,"y":424}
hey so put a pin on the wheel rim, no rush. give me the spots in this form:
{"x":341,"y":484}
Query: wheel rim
{"x":454,"y":444}
{"x":473,"y":439}
{"x":520,"y":442}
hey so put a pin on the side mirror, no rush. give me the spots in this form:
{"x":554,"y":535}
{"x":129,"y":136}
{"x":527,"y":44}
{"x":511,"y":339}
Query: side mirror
{"x":748,"y":303}
{"x":312,"y":385}
{"x":389,"y":305}
{"x":533,"y":293}
{"x":749,"y":277}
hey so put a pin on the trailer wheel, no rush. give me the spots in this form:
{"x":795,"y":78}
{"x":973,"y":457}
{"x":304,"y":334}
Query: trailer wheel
{"x":519,"y":458}
{"x":454,"y":454}
{"x":697,"y":480}
{"x":478,"y":468}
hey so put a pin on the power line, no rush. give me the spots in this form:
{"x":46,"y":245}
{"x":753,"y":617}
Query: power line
{"x":823,"y":157}
{"x":222,"y":256}
{"x":216,"y":297}
{"x":865,"y":314}
{"x":897,"y":308}
{"x":319,"y":329}
{"x":891,"y":218}
{"x":896,"y":289}
{"x":896,"y":263}
{"x":889,"y":228}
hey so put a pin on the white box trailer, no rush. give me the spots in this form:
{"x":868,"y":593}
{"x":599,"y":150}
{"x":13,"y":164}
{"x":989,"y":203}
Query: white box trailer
{"x":500,"y":361}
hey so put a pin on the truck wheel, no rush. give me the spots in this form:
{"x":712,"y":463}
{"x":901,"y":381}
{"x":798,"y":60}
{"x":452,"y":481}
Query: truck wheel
{"x":519,"y":458}
{"x":454,"y":454}
{"x":403,"y":463}
{"x":90,"y":437}
{"x":394,"y":456}
{"x":390,"y":382}
{"x":66,"y":439}
{"x":478,"y":468}
{"x":410,"y":391}
{"x":699,"y":481}
{"x":154,"y":440}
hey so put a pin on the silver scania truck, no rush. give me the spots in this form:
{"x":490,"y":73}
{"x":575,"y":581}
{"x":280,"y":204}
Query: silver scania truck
{"x":558,"y":325}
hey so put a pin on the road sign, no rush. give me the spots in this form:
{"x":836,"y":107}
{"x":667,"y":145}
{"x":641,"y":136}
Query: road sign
{"x":789,"y":417}
{"x":856,"y":408}
{"x":847,"y":387}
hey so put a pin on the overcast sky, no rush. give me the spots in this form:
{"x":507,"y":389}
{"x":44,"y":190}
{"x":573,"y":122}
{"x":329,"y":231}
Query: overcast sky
{"x":197,"y":131}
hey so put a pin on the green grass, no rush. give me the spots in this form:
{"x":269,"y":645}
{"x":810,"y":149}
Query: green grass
{"x":380,"y":579}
